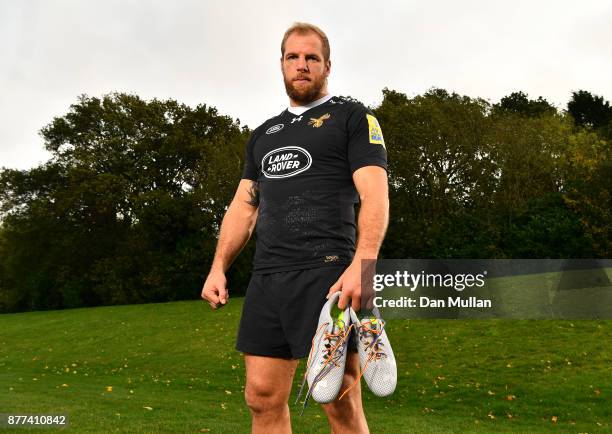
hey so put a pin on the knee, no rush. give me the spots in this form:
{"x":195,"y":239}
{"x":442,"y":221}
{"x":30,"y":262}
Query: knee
{"x":350,"y":402}
{"x":261,"y":398}
{"x":342,"y":408}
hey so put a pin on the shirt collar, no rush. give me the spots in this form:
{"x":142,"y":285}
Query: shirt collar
{"x":298,"y":110}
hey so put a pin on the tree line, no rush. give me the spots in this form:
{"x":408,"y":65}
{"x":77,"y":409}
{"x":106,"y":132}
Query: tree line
{"x":128,"y":208}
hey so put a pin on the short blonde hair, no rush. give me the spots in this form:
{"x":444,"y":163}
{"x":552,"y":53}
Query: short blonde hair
{"x":302,"y":29}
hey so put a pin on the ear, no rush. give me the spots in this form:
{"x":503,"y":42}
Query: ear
{"x":327,"y":68}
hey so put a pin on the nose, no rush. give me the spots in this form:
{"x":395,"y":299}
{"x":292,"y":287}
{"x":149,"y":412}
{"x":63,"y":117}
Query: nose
{"x":302,"y":65}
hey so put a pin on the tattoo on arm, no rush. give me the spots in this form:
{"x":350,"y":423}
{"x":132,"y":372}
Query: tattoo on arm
{"x":253,"y":194}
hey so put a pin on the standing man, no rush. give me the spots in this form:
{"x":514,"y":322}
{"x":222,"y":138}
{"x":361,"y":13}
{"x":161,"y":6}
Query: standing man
{"x":305,"y":171}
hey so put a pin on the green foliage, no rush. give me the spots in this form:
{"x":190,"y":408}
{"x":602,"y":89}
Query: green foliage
{"x":126,"y":211}
{"x":519,"y":103}
{"x":469,"y":180}
{"x":587,"y":193}
{"x":128,"y":208}
{"x":547,"y":229}
{"x":589,"y":110}
{"x":431,"y":143}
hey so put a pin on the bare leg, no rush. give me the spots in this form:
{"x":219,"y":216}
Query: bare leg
{"x":268,"y":385}
{"x":346,"y":415}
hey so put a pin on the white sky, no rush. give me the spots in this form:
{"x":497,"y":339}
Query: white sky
{"x":225,"y":54}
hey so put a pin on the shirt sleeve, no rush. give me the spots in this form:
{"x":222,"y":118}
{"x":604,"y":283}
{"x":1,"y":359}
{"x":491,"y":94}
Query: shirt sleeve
{"x":250,"y":170}
{"x":366,"y":145}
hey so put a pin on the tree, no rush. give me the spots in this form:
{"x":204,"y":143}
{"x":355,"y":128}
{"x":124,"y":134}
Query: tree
{"x":589,"y":110}
{"x":589,"y":166}
{"x":438,"y":164}
{"x":519,"y":103}
{"x":468,"y":181}
{"x":128,"y":208}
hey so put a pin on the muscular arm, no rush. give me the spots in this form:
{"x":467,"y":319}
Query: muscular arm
{"x":371,"y":183}
{"x":237,"y":225}
{"x":236,"y":229}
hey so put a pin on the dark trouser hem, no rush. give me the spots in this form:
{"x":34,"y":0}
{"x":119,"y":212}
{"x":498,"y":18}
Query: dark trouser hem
{"x":257,"y":351}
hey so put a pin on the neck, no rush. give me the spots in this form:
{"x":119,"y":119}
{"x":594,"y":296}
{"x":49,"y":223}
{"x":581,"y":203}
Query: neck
{"x":321,"y":94}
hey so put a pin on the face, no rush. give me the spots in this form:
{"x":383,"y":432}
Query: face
{"x":304,"y":69}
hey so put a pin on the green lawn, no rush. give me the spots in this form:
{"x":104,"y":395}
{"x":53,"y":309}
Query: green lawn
{"x":172,"y":367}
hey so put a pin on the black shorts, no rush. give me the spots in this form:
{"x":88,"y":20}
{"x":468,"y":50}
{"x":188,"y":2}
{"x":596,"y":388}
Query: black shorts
{"x":281,"y":311}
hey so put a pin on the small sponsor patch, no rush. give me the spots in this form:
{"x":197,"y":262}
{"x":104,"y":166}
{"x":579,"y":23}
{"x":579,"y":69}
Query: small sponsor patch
{"x":375,"y":132}
{"x":275,"y":129}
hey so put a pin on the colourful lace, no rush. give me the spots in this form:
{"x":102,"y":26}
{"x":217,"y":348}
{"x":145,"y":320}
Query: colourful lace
{"x":334,"y":354}
{"x":375,"y":352}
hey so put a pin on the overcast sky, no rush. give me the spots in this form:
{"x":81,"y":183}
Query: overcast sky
{"x":226,"y":54}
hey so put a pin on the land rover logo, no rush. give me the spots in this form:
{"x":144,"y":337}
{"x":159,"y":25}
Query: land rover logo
{"x":285,"y":162}
{"x":275,"y":129}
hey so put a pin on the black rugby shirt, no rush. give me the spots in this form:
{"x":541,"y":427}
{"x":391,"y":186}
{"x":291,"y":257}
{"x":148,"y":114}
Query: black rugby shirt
{"x":303,"y":166}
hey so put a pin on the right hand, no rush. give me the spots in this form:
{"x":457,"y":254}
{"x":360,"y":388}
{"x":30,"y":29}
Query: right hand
{"x":215,"y":289}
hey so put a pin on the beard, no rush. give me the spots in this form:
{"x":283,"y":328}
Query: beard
{"x":306,"y":94}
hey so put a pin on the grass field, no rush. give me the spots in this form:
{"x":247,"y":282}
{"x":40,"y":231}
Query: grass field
{"x":172,"y":367}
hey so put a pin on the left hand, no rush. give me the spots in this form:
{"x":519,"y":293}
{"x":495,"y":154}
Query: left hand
{"x":350,"y":285}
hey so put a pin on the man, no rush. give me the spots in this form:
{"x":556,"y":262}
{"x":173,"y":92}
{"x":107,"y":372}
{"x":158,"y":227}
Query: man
{"x":305,"y":171}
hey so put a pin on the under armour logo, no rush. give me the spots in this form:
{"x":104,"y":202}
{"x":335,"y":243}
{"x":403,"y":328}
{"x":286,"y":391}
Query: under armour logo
{"x":299,"y":118}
